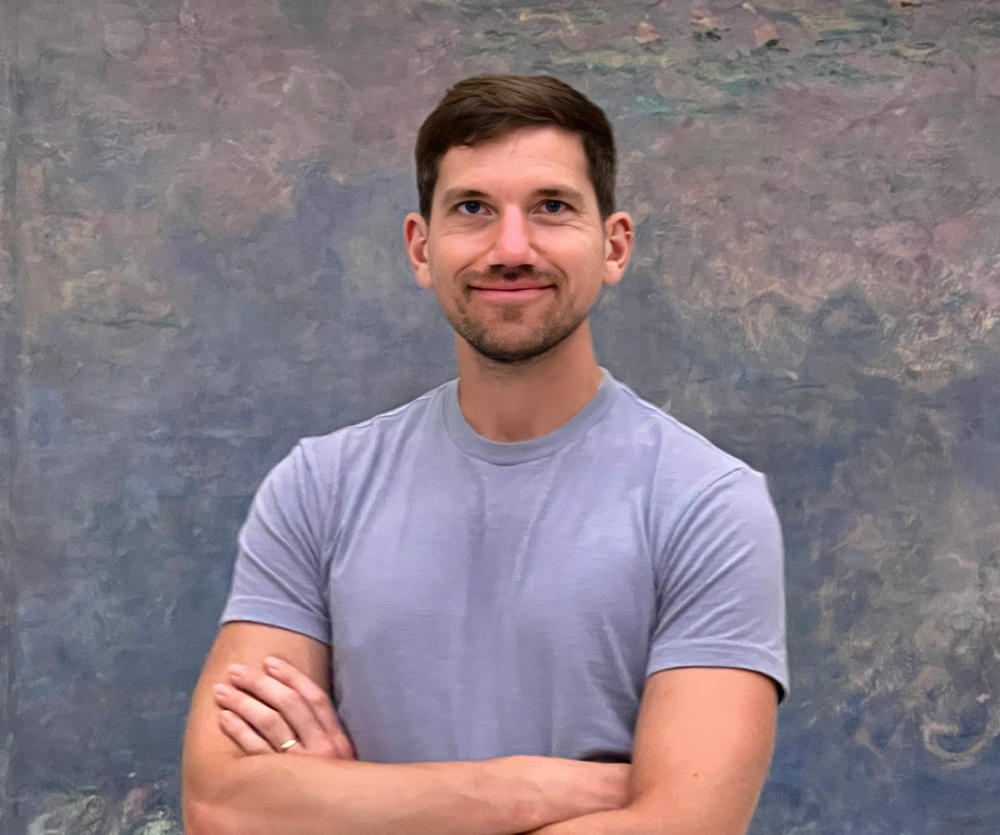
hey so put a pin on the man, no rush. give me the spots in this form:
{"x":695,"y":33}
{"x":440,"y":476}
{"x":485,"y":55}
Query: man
{"x":538,"y":603}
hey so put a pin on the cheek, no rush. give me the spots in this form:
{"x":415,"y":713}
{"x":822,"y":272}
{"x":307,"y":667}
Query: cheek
{"x":586,"y":251}
{"x":447,"y":258}
{"x":591,"y":265}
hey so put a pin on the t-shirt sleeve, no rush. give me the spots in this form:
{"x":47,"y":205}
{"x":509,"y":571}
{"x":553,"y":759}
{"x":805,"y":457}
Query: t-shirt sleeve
{"x":720,"y":582}
{"x":278,"y":576}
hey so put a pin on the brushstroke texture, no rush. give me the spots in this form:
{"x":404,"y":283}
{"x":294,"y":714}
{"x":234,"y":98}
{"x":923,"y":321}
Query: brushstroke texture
{"x":205,"y":217}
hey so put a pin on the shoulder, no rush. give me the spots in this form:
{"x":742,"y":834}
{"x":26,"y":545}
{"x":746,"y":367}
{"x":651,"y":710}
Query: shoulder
{"x":685,"y":475}
{"x":352,"y":447}
{"x":319,"y":478}
{"x":682,"y":459}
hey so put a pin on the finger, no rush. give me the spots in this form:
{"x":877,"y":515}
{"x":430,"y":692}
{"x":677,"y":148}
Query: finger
{"x":266,"y":721}
{"x":290,"y":706}
{"x":242,"y":734}
{"x":315,"y":696}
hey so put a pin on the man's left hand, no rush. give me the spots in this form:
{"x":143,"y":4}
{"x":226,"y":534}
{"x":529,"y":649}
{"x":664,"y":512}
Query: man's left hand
{"x":264,"y":711}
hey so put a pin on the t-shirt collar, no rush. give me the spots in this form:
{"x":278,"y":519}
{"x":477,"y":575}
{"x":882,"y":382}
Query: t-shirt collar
{"x":503,"y":452}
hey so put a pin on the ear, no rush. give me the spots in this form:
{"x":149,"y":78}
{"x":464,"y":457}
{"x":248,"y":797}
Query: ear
{"x":415,"y":240}
{"x":617,"y":246}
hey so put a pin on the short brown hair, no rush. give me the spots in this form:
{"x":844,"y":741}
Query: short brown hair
{"x":487,"y":107}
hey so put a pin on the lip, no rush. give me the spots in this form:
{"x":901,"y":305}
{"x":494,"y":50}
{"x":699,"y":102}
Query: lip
{"x":515,"y":291}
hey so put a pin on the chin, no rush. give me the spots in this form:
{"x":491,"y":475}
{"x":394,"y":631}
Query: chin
{"x":509,"y":357}
{"x":518,"y":347}
{"x":514,"y":351}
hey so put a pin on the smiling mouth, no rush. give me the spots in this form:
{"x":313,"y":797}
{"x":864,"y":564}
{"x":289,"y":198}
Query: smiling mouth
{"x":505,"y":294}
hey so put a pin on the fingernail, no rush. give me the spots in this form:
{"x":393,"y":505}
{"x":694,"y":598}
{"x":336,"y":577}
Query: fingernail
{"x":221,"y":690}
{"x":271,"y":661}
{"x":237,"y":670}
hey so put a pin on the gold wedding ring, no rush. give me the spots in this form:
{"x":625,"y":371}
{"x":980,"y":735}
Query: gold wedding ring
{"x":286,"y":745}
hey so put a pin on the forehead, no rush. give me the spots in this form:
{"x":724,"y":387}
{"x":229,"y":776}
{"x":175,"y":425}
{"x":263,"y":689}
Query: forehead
{"x":527,"y":159}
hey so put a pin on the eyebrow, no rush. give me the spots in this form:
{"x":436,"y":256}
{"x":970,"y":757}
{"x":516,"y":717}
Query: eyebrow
{"x":457,"y":195}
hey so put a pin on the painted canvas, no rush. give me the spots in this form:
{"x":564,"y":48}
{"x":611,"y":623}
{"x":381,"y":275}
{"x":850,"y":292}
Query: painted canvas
{"x":201,"y":262}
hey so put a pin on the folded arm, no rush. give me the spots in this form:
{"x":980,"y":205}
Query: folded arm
{"x":227,"y":792}
{"x":703,"y":743}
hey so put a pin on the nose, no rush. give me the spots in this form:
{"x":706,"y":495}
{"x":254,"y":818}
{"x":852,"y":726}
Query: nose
{"x":512,"y":246}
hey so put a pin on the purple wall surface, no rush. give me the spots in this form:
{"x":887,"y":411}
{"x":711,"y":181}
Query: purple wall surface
{"x":200,"y":262}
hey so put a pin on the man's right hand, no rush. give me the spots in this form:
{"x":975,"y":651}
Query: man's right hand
{"x":263,"y":711}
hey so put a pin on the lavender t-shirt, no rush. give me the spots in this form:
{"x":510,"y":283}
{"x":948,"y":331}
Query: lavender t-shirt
{"x":484,"y":599}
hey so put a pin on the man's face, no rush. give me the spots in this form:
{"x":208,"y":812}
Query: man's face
{"x":516,"y":250}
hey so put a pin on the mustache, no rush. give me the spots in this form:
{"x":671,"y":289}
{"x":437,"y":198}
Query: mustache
{"x":495,"y":275}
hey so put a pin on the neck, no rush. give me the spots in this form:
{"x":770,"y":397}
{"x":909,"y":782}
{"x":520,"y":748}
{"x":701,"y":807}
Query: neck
{"x":520,"y":401}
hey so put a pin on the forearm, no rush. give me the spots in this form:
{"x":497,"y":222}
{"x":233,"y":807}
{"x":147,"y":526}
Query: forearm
{"x":278,"y":794}
{"x":645,"y":817}
{"x":615,"y":822}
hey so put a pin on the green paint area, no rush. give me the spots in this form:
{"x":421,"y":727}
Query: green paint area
{"x":861,"y":24}
{"x":654,"y":106}
{"x":760,"y":68}
{"x":531,"y":18}
{"x":920,"y":52}
{"x":446,"y":11}
{"x":310,"y":14}
{"x":986,"y":23}
{"x":491,"y":41}
{"x":606,"y":62}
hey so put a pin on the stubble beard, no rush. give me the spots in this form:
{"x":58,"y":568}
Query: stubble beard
{"x":492,"y":344}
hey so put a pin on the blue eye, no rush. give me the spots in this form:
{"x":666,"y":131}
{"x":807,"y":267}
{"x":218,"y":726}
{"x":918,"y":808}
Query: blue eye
{"x":553,"y":206}
{"x":472,"y":206}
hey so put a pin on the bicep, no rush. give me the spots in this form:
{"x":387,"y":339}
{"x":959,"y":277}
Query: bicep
{"x":206,"y":747}
{"x":702,"y":746}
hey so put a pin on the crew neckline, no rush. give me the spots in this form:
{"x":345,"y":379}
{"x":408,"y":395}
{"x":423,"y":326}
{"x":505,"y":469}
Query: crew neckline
{"x":517,"y":452}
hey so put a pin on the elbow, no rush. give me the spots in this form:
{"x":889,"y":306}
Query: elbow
{"x":206,"y":813}
{"x":220,"y":811}
{"x":201,"y":818}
